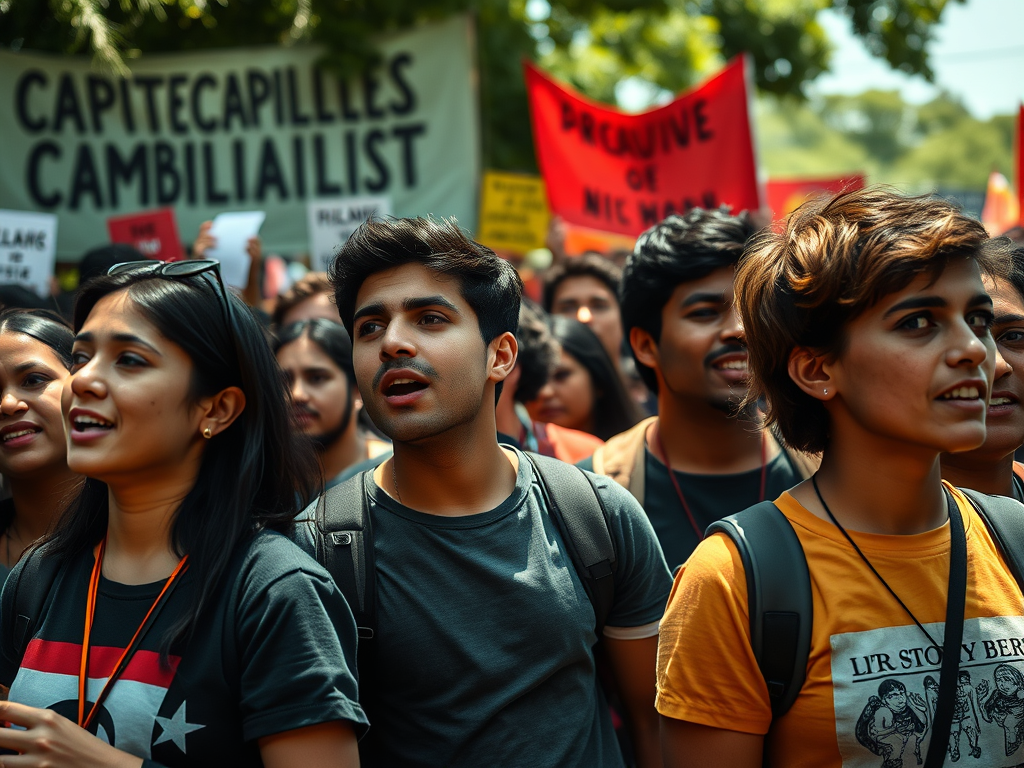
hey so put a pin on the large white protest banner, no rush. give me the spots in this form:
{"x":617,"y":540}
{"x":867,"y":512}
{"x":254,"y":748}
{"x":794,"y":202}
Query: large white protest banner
{"x":27,"y":249}
{"x":240,"y":130}
{"x":331,"y":222}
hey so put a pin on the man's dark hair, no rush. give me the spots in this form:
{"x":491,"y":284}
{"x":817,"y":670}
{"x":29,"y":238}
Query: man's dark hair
{"x":538,"y":352}
{"x":588,"y":265}
{"x":678,"y":250}
{"x":490,"y":285}
{"x":331,"y":337}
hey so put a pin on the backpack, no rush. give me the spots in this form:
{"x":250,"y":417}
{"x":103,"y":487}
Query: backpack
{"x":779,"y":584}
{"x":344,"y":540}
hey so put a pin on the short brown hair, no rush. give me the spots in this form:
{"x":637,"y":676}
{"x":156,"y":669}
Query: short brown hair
{"x":306,"y":287}
{"x":801,"y":284}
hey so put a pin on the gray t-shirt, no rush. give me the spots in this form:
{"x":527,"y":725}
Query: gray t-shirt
{"x":485,"y":632}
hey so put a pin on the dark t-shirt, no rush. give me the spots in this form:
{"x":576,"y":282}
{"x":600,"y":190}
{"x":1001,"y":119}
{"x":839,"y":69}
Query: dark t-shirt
{"x":485,"y":633}
{"x":710,"y":498}
{"x":274,"y":651}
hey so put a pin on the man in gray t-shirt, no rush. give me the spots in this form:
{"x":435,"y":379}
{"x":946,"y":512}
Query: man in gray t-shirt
{"x":485,"y":634}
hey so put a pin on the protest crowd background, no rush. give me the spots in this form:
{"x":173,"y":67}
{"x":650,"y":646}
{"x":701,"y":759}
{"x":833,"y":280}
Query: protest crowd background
{"x":538,"y":383}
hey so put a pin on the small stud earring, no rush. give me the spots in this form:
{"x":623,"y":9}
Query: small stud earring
{"x":825,"y":392}
{"x":207,"y":433}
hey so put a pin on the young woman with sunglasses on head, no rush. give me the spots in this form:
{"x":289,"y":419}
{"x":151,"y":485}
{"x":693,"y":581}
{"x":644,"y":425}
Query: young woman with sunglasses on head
{"x":181,"y":627}
{"x":990,"y":468}
{"x":868,"y":329}
{"x":35,"y":355}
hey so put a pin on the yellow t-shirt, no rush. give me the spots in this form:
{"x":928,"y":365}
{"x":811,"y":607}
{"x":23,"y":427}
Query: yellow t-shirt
{"x":869,"y":695}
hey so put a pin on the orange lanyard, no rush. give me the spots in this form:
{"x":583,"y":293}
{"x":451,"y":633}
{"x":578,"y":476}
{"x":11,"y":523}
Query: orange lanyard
{"x":90,"y":611}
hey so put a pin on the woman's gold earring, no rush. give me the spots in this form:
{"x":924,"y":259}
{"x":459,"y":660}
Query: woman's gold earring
{"x":207,"y":433}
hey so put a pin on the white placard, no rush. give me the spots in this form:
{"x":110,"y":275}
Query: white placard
{"x":28,"y":248}
{"x":233,"y":231}
{"x":331,"y":223}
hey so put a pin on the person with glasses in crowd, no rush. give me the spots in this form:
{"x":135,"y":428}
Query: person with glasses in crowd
{"x":35,"y":357}
{"x":180,"y":626}
{"x":991,"y":468}
{"x":316,"y":357}
{"x":869,"y":338}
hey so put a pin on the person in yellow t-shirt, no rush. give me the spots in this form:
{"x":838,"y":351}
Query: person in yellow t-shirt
{"x":869,"y":335}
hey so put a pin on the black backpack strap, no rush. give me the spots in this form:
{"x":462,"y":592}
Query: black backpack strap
{"x":577,"y":508}
{"x":344,"y":546}
{"x":1004,"y":518}
{"x":30,"y":582}
{"x":778,"y":595}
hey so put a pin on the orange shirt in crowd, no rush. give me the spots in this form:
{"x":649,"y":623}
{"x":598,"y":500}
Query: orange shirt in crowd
{"x":872,"y":675}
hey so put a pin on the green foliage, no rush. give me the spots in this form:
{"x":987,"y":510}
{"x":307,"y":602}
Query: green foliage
{"x":938,"y":144}
{"x":595,"y":44}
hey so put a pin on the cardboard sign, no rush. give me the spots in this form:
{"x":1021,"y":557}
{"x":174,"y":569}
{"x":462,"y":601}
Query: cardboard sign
{"x":332,"y":222}
{"x":514,"y":214}
{"x":786,"y":195}
{"x":28,"y":249}
{"x":153,"y":233}
{"x":615,"y":172}
{"x":232,"y":231}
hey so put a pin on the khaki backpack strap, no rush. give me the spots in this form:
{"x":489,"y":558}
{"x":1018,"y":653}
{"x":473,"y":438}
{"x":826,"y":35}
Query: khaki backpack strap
{"x":622,"y":458}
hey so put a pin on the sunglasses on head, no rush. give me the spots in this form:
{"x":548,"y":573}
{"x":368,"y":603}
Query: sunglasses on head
{"x":189,"y":268}
{"x":183,"y":269}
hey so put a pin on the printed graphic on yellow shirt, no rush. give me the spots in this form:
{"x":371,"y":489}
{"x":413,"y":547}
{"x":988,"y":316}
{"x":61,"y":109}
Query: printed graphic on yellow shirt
{"x":886,"y":685}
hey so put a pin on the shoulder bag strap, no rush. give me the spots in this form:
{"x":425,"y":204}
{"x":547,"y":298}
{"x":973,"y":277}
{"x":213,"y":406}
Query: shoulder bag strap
{"x":579,"y":511}
{"x":345,"y":549}
{"x":32,"y":579}
{"x":1004,"y":518}
{"x":778,"y":597}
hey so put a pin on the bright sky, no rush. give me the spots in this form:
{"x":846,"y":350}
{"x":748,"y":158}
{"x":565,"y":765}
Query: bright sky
{"x":977,"y":55}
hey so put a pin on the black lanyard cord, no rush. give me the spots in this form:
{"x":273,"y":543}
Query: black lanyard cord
{"x":953,"y":633}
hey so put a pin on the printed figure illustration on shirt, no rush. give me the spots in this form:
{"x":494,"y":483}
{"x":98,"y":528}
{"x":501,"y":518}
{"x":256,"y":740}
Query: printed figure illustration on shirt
{"x":1005,"y":704}
{"x":885,"y":691}
{"x":965,"y":718}
{"x":892,"y":722}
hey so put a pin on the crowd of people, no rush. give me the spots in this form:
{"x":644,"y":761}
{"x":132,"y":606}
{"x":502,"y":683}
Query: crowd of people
{"x":716,"y":507}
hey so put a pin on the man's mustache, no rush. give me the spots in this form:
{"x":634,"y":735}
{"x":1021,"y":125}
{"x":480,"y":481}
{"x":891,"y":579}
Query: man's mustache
{"x":727,"y":349}
{"x":409,"y":363}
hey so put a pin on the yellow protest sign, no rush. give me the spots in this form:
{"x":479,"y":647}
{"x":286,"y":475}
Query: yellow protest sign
{"x":514,"y":212}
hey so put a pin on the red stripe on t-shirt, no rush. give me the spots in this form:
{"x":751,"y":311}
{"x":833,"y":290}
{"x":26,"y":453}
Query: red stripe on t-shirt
{"x":65,"y":658}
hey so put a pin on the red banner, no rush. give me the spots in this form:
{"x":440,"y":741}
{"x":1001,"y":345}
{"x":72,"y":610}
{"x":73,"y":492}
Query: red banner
{"x":153,"y":233}
{"x":1020,"y":165}
{"x":617,"y":172}
{"x":786,"y":195}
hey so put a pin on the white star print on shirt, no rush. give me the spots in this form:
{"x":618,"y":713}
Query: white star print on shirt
{"x":176,"y":728}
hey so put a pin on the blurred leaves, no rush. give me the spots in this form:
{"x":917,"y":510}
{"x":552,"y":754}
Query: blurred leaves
{"x":597,"y":45}
{"x":916,"y":147}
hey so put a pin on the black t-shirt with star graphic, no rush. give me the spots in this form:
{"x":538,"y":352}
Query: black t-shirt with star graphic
{"x":274,"y":651}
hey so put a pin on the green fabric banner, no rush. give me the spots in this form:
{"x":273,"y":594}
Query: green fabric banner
{"x":241,"y":129}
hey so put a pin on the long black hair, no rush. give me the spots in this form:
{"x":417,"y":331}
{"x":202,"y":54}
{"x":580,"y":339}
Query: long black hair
{"x":42,"y":325}
{"x":614,"y":410}
{"x":252,"y":475}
